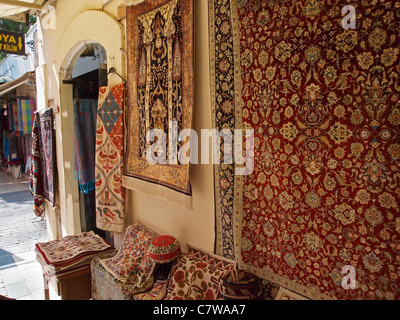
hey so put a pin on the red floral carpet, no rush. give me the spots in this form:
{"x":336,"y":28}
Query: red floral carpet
{"x":324,"y":104}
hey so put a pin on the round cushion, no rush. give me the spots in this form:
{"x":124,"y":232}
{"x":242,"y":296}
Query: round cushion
{"x":164,"y":249}
{"x":240,"y":285}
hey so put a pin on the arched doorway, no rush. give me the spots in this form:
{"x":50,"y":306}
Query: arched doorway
{"x":89,"y":27}
{"x":85,"y":74}
{"x":88,"y":75}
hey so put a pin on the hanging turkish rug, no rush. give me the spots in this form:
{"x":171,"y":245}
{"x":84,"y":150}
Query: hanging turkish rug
{"x":43,"y":175}
{"x":110,"y":194}
{"x":160,"y":77}
{"x":319,"y":214}
{"x":36,"y":176}
{"x":47,"y":146}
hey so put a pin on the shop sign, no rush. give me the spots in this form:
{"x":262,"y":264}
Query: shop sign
{"x":12,"y":42}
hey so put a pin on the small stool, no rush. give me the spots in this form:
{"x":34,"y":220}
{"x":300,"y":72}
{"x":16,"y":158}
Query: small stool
{"x":67,"y":262}
{"x":74,"y":285}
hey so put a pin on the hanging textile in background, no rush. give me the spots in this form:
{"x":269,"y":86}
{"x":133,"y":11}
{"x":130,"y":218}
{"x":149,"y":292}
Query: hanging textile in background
{"x":323,"y":200}
{"x":6,"y":149}
{"x":19,"y":115}
{"x":160,"y":67}
{"x":27,"y":108}
{"x":36,"y":176}
{"x":3,"y":129}
{"x":15,"y":115}
{"x":47,"y":146}
{"x":15,"y":152}
{"x":10,"y":115}
{"x":110,"y":194}
{"x":85,"y":113}
{"x":28,"y":148}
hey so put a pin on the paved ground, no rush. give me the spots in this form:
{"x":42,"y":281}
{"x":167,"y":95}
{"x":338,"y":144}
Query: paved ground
{"x":20,"y":273}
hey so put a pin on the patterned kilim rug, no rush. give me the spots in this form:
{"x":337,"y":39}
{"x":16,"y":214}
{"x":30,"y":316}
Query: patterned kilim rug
{"x":110,"y":194}
{"x":160,"y":77}
{"x":323,"y":101}
{"x":71,"y":248}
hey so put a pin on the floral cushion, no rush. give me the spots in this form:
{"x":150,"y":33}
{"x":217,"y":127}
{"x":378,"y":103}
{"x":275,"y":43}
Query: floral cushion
{"x":156,"y":293}
{"x":132,"y":255}
{"x":196,"y":278}
{"x":210,"y":257}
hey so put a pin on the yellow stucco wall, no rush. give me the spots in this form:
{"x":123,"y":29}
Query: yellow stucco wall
{"x":78,"y":22}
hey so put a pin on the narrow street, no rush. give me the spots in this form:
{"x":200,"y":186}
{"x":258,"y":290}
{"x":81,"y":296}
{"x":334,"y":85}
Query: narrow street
{"x":20,"y":273}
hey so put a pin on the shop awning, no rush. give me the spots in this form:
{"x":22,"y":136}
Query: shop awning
{"x":13,"y":7}
{"x":28,"y":77}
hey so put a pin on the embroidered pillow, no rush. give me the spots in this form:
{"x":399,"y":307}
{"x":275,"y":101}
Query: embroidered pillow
{"x":193,"y":278}
{"x":156,"y":293}
{"x":133,"y":250}
{"x":139,"y":278}
{"x":210,"y":257}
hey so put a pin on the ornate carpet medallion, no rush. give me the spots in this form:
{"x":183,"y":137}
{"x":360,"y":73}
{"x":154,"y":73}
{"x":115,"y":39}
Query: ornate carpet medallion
{"x":160,"y":37}
{"x":324,"y":103}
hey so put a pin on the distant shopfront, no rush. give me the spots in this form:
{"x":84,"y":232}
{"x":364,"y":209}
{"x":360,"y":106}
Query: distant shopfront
{"x":18,"y":102}
{"x":18,"y":99}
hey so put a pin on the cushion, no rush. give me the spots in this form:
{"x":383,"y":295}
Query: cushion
{"x":137,"y":282}
{"x":164,"y":249}
{"x":193,"y":278}
{"x":240,"y":285}
{"x":210,"y":257}
{"x":156,"y":293}
{"x":132,"y":252}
